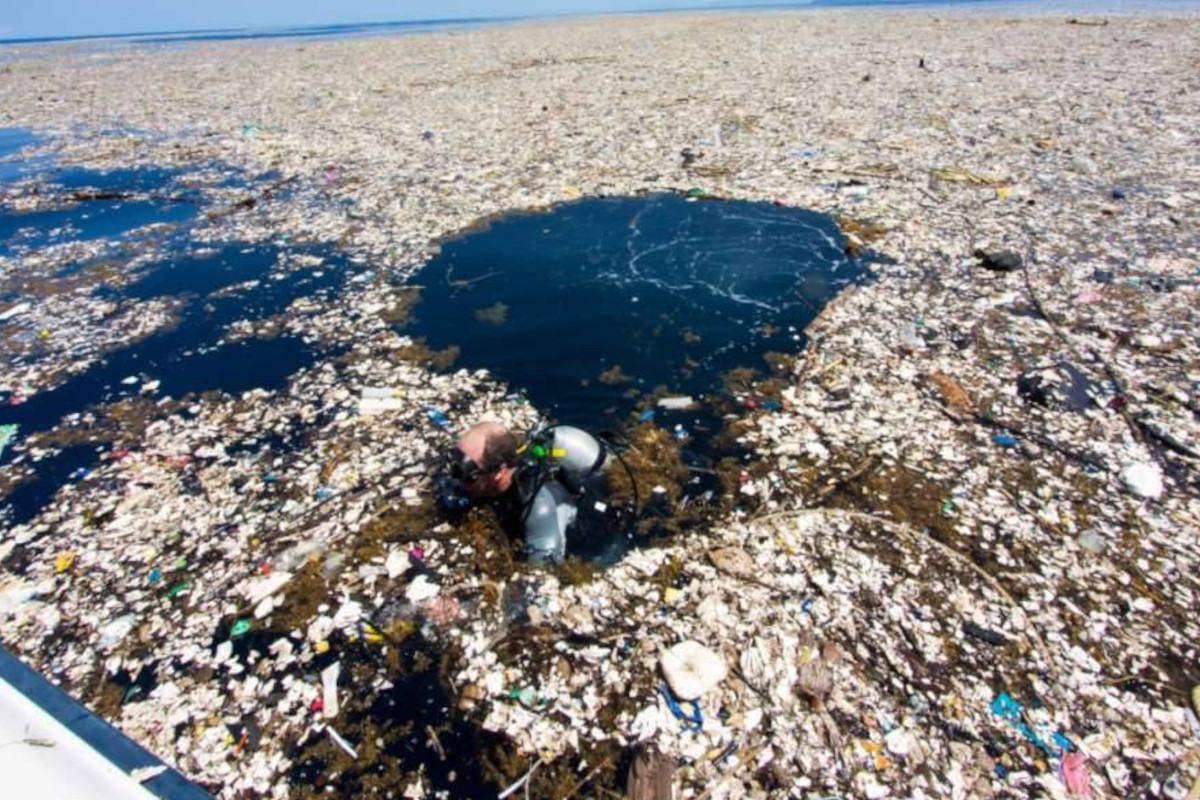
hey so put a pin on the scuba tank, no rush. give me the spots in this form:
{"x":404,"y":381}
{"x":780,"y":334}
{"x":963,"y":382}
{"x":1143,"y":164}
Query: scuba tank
{"x":577,"y":454}
{"x":573,"y":456}
{"x":552,"y":512}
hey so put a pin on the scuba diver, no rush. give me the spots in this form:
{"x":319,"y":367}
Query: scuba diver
{"x":552,"y":488}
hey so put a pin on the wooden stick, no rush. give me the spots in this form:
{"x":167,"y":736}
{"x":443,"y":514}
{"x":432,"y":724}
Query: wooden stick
{"x":437,"y":743}
{"x":591,"y":774}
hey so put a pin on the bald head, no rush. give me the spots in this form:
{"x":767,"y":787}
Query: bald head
{"x":494,"y":451}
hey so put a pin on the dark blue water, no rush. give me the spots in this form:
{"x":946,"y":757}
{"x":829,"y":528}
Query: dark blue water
{"x":673,"y":292}
{"x":12,"y":141}
{"x":100,"y":220}
{"x":147,"y":196}
{"x":186,"y":359}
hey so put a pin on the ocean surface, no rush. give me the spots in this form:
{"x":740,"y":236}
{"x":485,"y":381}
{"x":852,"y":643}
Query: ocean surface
{"x":420,"y":26}
{"x":589,"y":307}
{"x":587,"y":310}
{"x":188,"y":358}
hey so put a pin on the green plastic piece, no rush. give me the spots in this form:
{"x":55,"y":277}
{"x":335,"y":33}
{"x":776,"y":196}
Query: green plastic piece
{"x":240,"y":628}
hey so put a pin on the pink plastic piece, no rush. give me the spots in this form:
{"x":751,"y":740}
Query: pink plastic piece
{"x":1075,"y":774}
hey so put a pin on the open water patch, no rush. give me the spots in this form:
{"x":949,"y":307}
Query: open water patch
{"x":210,"y":289}
{"x":595,"y":304}
{"x":651,"y":321}
{"x":188,"y":359}
{"x":12,"y":164}
{"x":96,"y":205}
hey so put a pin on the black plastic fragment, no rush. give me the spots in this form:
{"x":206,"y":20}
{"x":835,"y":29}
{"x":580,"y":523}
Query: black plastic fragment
{"x":999,"y":260}
{"x":984,"y":634}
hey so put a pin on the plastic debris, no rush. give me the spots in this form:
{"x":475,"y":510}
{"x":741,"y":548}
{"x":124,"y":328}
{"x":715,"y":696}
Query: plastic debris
{"x":342,"y":743}
{"x":379,"y":399}
{"x":999,"y":260}
{"x":691,"y":669}
{"x":691,"y":721}
{"x":421,"y":589}
{"x":733,"y":561}
{"x":1074,"y":772}
{"x":438,"y":417}
{"x":1144,"y":480}
{"x":1005,"y":707}
{"x":15,"y":311}
{"x":984,"y":634}
{"x":1116,"y":283}
{"x":959,"y":175}
{"x":114,"y":632}
{"x":381,"y":392}
{"x":679,"y":403}
{"x":329,"y":681}
{"x":7,"y":434}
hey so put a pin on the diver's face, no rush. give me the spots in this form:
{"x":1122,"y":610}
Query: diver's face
{"x":464,"y":469}
{"x":471,"y":447}
{"x":474,"y":480}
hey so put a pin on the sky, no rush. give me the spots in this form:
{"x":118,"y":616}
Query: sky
{"x":32,"y":18}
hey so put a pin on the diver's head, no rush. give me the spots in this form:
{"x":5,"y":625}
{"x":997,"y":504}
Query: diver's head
{"x":485,"y":460}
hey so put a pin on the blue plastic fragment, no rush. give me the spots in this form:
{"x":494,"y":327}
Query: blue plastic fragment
{"x":1004,"y":440}
{"x":770,"y":405}
{"x":1118,"y":193}
{"x":1005,"y":707}
{"x":693,"y":721}
{"x":437,"y":417}
{"x":806,"y":606}
{"x":646,"y":416}
{"x":324,"y":493}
